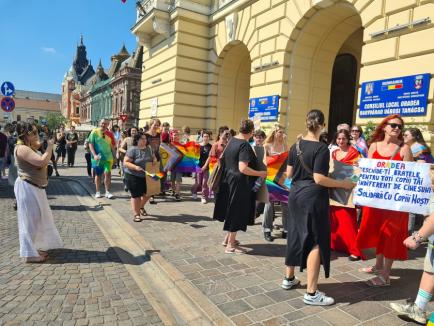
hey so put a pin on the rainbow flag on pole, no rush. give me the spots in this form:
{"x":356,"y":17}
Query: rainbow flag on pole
{"x":277,"y":183}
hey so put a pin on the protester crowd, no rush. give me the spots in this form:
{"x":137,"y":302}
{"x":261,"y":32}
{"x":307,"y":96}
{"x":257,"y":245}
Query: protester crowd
{"x":233,"y":170}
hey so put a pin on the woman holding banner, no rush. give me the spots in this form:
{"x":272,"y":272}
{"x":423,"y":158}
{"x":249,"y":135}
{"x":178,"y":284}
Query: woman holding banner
{"x":308,"y":241}
{"x":384,"y":229}
{"x":135,"y":161}
{"x":343,"y":220}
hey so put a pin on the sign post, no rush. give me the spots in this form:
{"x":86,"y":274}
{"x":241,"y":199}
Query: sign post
{"x":7,"y":88}
{"x":7,"y":104}
{"x":406,"y":96}
{"x":267,"y":108}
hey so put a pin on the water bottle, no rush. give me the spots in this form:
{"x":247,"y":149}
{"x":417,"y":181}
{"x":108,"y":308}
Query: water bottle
{"x":258,"y":184}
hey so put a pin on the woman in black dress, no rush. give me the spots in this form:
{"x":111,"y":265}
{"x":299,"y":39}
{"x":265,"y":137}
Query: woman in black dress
{"x":308,"y":242}
{"x":235,"y":201}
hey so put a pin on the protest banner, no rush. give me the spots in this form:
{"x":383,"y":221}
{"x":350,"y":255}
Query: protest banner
{"x":394,"y":185}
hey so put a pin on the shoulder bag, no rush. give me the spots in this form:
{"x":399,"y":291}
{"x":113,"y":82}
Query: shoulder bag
{"x":300,"y":158}
{"x":216,"y":175}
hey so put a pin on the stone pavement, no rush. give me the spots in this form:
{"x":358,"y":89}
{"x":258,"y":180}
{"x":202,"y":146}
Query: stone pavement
{"x":86,"y":283}
{"x":246,"y":288}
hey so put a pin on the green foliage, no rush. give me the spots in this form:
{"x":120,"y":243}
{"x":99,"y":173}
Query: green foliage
{"x":369,"y":129}
{"x":55,"y":119}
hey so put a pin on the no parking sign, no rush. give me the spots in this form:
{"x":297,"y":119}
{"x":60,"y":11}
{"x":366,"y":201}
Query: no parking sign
{"x":7,"y":104}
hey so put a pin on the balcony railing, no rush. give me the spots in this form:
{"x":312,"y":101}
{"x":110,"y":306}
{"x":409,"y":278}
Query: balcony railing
{"x":144,"y":7}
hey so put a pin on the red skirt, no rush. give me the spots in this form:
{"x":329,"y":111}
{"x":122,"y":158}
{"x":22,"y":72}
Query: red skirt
{"x":384,"y":230}
{"x":343,"y":225}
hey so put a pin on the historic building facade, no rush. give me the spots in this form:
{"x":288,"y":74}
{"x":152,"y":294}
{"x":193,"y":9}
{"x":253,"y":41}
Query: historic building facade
{"x":78,"y":74}
{"x":203,"y":60}
{"x":89,"y":96}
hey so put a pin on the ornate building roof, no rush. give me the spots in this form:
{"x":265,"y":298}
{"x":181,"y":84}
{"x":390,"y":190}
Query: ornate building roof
{"x":100,"y":75}
{"x":82,"y":67}
{"x":117,"y":61}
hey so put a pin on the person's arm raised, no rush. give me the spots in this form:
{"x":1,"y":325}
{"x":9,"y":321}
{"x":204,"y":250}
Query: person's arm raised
{"x":27,"y":154}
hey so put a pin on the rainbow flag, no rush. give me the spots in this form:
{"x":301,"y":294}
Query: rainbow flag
{"x":277,"y":183}
{"x":212,"y":163}
{"x":156,"y":176}
{"x":190,"y":160}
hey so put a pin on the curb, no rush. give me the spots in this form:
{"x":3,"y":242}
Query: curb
{"x":174,"y":298}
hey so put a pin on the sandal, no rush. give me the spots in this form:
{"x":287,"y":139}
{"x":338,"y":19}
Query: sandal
{"x":378,"y":281}
{"x":237,"y":251}
{"x":38,"y":259}
{"x":236,"y":243}
{"x":137,"y":218}
{"x":43,"y":253}
{"x":370,"y":270}
{"x":152,"y":200}
{"x":143,"y":212}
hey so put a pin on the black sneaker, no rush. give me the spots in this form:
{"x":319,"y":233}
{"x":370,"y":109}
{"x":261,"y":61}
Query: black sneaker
{"x":177,"y":197}
{"x":268,"y":237}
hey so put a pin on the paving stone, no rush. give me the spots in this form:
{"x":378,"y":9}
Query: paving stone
{"x":241,"y":320}
{"x":259,"y":301}
{"x":70,"y":283}
{"x":234,"y":307}
{"x":365,"y":310}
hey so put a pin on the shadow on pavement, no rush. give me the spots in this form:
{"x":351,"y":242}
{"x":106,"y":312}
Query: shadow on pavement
{"x":113,"y":254}
{"x":79,"y":208}
{"x":181,"y":218}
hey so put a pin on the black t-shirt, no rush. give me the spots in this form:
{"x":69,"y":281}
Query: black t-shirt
{"x":316,"y":156}
{"x":204,"y":153}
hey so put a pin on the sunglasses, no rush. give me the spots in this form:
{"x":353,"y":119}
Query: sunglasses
{"x":395,"y":125}
{"x":355,"y":130}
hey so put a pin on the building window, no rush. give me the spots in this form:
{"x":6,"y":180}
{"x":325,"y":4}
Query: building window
{"x":77,"y":110}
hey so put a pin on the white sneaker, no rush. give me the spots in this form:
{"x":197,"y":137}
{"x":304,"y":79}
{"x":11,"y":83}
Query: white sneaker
{"x":109,"y":195}
{"x":287,"y":284}
{"x":194,"y":196}
{"x":98,"y":194}
{"x":411,"y":311}
{"x":203,"y":200}
{"x":319,"y":299}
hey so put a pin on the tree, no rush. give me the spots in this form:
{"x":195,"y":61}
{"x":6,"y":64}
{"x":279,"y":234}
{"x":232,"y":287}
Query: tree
{"x":369,"y":130}
{"x":55,"y":119}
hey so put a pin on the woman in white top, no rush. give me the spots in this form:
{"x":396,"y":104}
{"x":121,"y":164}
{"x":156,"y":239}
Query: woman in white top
{"x":275,"y":144}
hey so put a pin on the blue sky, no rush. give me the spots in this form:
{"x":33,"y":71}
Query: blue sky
{"x":39,"y":38}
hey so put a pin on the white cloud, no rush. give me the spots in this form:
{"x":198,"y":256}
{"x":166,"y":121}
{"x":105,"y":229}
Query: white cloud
{"x":49,"y":50}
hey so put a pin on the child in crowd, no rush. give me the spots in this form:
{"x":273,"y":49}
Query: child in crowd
{"x":202,"y":175}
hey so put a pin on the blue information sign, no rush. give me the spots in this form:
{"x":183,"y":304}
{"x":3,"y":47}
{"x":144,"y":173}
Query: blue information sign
{"x":406,"y":96}
{"x":267,"y":108}
{"x":7,"y":88}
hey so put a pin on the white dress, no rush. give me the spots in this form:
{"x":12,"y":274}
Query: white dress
{"x":36,"y":227}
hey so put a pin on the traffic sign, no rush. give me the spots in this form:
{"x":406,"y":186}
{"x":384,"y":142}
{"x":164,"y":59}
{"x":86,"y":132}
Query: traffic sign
{"x":7,"y":88}
{"x":7,"y":104}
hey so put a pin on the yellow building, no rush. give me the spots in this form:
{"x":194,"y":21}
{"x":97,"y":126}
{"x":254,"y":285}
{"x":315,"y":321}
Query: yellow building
{"x":203,"y":60}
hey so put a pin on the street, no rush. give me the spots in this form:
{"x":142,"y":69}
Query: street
{"x":171,"y":268}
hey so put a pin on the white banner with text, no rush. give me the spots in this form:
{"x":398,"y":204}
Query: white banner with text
{"x":394,"y":185}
